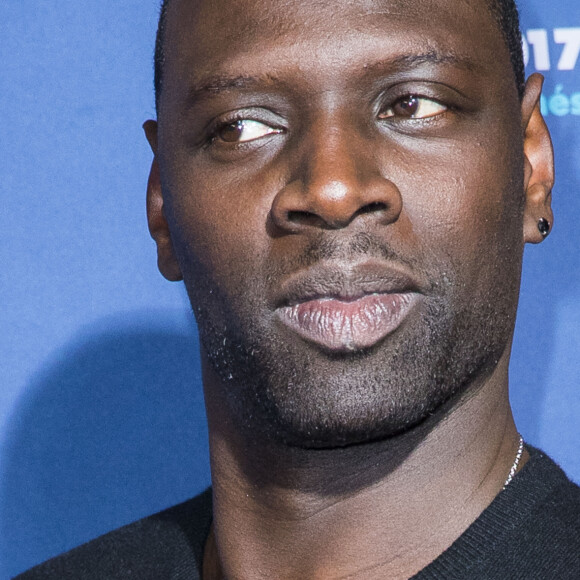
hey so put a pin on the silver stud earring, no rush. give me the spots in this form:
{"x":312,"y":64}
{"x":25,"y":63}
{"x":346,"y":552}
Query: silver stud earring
{"x":544,"y":227}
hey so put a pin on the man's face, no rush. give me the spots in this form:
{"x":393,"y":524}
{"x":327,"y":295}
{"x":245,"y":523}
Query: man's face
{"x":343,"y":183}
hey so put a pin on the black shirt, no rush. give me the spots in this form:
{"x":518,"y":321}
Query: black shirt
{"x":530,"y":531}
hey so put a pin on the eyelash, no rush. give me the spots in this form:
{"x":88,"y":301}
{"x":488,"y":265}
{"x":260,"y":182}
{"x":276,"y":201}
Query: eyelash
{"x":423,"y":99}
{"x":212,"y":133}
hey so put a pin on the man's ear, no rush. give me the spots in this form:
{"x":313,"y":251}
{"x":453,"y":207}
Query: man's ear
{"x":538,"y":163}
{"x":158,"y":226}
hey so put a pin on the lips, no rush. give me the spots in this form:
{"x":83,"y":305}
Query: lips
{"x":345,"y":309}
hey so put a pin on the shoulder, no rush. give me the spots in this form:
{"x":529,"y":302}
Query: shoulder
{"x":540,"y":524}
{"x":165,"y":545}
{"x":530,"y":531}
{"x":550,"y":534}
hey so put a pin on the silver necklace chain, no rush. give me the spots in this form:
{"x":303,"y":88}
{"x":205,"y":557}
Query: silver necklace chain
{"x":516,"y":463}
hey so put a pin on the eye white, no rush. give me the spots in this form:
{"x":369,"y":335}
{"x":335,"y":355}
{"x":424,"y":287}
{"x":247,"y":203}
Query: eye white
{"x":251,"y":130}
{"x":424,"y":108}
{"x":428,"y":108}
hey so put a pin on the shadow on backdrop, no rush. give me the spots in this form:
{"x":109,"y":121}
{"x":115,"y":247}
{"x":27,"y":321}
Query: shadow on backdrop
{"x":111,"y":429}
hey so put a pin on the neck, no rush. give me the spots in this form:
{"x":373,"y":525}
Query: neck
{"x":379,"y":510}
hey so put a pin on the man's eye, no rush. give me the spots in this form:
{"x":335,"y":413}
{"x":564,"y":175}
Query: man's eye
{"x":244,"y":130}
{"x":412,"y":107}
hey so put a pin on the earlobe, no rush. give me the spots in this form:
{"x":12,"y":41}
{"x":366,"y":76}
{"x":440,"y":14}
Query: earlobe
{"x":158,"y":226}
{"x":538,"y":165}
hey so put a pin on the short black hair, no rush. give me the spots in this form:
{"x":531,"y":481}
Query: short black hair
{"x":505,"y":13}
{"x":160,"y":52}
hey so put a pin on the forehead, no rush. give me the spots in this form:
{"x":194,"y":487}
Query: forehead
{"x":204,"y":38}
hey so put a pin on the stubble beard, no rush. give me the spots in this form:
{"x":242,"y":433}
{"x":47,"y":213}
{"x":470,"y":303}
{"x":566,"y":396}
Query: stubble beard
{"x":278,"y":387}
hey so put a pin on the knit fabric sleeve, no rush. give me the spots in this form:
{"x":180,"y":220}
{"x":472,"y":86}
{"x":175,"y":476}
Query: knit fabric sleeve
{"x":168,"y":545}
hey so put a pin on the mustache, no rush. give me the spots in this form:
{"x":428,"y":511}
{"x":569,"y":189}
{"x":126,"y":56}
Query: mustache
{"x":335,"y":264}
{"x":352,"y":248}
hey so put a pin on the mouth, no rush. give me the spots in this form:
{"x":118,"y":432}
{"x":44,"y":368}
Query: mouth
{"x":347,"y":309}
{"x":342,"y":326}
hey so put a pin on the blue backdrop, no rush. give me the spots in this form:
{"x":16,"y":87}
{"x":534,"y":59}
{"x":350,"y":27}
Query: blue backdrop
{"x":101,"y":415}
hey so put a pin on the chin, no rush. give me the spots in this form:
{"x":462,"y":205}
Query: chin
{"x":275,"y":386}
{"x":297,"y":395}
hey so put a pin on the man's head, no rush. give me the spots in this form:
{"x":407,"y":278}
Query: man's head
{"x":346,"y":189}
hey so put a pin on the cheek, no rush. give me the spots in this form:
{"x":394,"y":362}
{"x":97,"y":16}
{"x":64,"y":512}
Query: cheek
{"x":219,"y":229}
{"x":467,"y":207}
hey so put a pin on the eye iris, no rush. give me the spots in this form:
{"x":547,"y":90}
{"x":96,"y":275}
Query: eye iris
{"x":408,"y":106}
{"x":232,"y":132}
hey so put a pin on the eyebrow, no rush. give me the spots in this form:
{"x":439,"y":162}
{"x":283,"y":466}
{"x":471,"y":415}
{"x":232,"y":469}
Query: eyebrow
{"x":216,"y":84}
{"x":428,"y":57}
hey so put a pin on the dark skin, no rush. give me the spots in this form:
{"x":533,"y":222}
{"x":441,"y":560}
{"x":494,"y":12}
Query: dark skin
{"x":285,"y":127}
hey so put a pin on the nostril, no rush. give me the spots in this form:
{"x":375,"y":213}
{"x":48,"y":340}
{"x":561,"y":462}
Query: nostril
{"x":375,"y":206}
{"x":307,"y":218}
{"x":303,"y":217}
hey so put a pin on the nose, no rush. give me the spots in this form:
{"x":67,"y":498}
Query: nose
{"x":338,"y":181}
